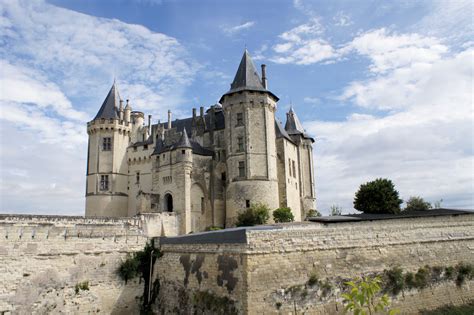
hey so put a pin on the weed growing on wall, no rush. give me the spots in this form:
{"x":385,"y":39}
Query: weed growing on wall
{"x":84,"y":286}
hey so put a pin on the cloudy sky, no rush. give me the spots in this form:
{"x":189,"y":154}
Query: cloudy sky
{"x":386,"y":87}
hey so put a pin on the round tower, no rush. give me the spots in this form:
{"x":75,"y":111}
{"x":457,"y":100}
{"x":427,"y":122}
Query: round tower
{"x":251,"y":149}
{"x":107,"y":170}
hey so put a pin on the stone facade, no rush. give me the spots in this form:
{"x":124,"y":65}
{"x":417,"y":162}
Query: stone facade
{"x":42,"y":258}
{"x":205,"y":168}
{"x":253,"y":269}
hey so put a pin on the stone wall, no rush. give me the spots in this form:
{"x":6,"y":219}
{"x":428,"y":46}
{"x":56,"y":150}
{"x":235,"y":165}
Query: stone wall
{"x":254,"y":269}
{"x":42,"y":258}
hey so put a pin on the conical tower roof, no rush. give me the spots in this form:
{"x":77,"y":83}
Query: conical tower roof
{"x":293,"y":125}
{"x":247,"y":77}
{"x":109,"y":108}
{"x":184,"y":141}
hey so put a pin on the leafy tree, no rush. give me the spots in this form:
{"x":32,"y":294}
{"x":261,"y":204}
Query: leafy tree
{"x":312,"y":213}
{"x":362,"y":298}
{"x":256,"y":214}
{"x":416,"y":203}
{"x":336,"y":210}
{"x":378,"y":196}
{"x":283,"y":214}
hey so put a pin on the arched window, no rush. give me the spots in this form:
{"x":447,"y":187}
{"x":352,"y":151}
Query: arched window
{"x":168,"y":200}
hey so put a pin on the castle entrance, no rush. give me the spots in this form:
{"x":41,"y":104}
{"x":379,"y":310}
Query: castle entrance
{"x":168,"y":202}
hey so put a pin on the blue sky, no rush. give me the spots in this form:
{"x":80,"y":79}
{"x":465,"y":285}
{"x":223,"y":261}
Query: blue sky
{"x":384,"y":86}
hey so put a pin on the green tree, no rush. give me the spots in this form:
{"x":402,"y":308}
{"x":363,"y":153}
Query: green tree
{"x":336,"y":210}
{"x":378,"y":196}
{"x":416,"y":203}
{"x":362,"y":298}
{"x":283,"y":214}
{"x":256,"y":214}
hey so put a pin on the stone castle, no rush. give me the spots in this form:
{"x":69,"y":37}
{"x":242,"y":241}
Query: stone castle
{"x":205,"y":168}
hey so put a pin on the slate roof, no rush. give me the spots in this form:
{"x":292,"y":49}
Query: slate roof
{"x":293,"y":125}
{"x":403,"y":215}
{"x":184,"y":141}
{"x":187,"y":123}
{"x":109,"y":108}
{"x":247,"y":78}
{"x":280,"y":131}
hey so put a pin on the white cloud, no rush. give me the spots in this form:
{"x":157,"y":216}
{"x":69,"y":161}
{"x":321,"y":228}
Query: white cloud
{"x":312,"y":100}
{"x":231,"y":30}
{"x":424,"y":143}
{"x":342,"y":19}
{"x":56,"y":68}
{"x":303,"y":45}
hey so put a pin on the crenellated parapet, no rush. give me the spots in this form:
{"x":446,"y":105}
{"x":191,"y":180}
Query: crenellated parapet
{"x":110,"y":124}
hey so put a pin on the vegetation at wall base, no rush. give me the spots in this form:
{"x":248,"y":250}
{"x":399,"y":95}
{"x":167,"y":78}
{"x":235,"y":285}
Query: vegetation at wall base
{"x":282,"y":215}
{"x":256,"y":214}
{"x":84,"y":286}
{"x":466,"y":309}
{"x":378,"y":196}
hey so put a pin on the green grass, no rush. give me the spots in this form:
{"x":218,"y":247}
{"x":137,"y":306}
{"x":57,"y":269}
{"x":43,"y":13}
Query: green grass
{"x":466,"y":309}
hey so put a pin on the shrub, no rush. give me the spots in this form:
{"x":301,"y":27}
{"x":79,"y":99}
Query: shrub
{"x":465,"y":271}
{"x":128,"y":269}
{"x":257,"y":214}
{"x":336,"y":210}
{"x":449,"y":272}
{"x":394,"y":280}
{"x":378,"y":196}
{"x":362,"y":297}
{"x":417,"y":204}
{"x":422,"y":277}
{"x":283,"y":214}
{"x":312,"y":213}
{"x":410,"y":280}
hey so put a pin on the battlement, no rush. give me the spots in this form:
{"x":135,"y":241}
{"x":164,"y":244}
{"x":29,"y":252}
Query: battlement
{"x":106,"y":124}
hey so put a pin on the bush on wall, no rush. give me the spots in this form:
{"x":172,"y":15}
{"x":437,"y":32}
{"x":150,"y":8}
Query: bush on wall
{"x":283,"y":214}
{"x":256,"y":214}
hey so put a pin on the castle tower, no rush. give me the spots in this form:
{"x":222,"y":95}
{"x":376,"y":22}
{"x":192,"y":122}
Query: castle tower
{"x":295,"y":130}
{"x":251,"y":149}
{"x":184,"y":160}
{"x":109,"y":132}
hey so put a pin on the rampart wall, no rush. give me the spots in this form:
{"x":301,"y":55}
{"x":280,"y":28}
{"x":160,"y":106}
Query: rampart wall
{"x":43,"y":258}
{"x":265,"y":270}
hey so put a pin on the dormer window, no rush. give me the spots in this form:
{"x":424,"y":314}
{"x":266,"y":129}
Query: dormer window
{"x":106,"y":144}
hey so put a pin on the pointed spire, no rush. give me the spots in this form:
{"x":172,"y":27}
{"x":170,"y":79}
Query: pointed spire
{"x":293,"y":124}
{"x":109,"y":108}
{"x":184,"y":141}
{"x":247,"y":76}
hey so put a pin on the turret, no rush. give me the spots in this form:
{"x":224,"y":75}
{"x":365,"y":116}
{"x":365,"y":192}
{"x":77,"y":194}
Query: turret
{"x":251,"y":149}
{"x":106,"y":185}
{"x":304,"y":143}
{"x":128,"y":111}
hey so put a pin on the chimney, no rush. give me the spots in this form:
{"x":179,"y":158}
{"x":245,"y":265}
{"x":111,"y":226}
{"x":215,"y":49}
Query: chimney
{"x":264,"y":76}
{"x":149,"y":124}
{"x":169,"y":119}
{"x":194,"y":113}
{"x":201,"y":111}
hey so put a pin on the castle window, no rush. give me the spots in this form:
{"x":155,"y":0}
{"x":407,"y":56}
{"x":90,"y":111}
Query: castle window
{"x":138,"y":177}
{"x":247,"y":203}
{"x":106,"y":144}
{"x":294,"y":169}
{"x":223,"y":176}
{"x":241,"y":169}
{"x":289,"y":166}
{"x":240,"y":144}
{"x":104,"y":182}
{"x":240,"y":119}
{"x":135,"y":149}
{"x":145,"y":147}
{"x":183,"y":151}
{"x":203,"y":205}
